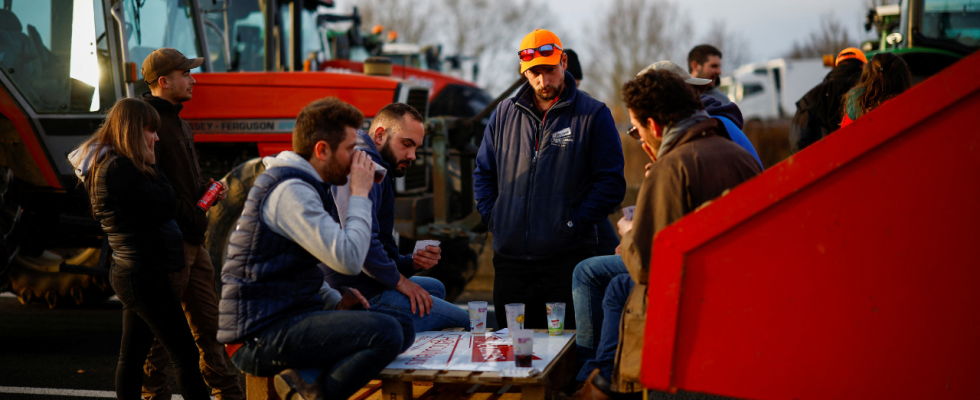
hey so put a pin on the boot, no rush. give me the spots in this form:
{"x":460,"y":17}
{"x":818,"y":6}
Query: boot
{"x":290,"y":386}
{"x":594,"y":388}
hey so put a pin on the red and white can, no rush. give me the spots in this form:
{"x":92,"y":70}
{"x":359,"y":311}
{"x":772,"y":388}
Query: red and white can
{"x":210,"y":197}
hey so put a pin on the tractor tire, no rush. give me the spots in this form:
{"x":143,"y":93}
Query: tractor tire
{"x":37,"y":279}
{"x":223,"y":216}
{"x":456,"y":268}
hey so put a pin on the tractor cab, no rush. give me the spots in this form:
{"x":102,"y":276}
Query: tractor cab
{"x":929,"y":35}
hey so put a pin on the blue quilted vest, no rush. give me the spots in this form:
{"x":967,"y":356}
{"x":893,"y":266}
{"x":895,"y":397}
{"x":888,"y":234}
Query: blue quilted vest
{"x":266,"y":276}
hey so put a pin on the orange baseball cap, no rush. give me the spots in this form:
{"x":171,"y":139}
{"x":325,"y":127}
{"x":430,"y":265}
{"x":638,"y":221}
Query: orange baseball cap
{"x":851,"y":53}
{"x":538,"y":38}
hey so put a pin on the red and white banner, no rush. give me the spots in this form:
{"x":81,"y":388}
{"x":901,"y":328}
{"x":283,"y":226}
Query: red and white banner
{"x":463,"y":351}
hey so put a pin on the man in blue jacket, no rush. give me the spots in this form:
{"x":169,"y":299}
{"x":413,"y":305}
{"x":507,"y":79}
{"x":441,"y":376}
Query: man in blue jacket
{"x":387,"y":279}
{"x":549,"y":168}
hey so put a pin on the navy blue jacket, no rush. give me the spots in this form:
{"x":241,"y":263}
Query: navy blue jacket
{"x":541,"y":186}
{"x":383,"y":262}
{"x":267,"y":276}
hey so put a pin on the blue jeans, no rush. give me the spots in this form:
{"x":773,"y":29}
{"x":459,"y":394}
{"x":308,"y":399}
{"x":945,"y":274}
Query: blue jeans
{"x":589,"y":282}
{"x":442,"y":315}
{"x":346,"y":349}
{"x":617,"y":293}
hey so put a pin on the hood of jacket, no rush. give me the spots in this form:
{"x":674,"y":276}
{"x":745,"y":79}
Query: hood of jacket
{"x":162,"y":104}
{"x":366,"y":144}
{"x":291,"y":159}
{"x":691,"y":133}
{"x":84,"y":159}
{"x":716,"y":109}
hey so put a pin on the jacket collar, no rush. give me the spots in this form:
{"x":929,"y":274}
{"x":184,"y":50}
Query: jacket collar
{"x":700,"y":130}
{"x":161,"y":104}
{"x":523,"y":98}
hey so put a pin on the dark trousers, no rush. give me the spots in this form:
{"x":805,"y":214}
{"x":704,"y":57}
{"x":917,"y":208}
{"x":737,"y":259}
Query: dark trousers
{"x":608,"y":241}
{"x":346,"y":349}
{"x":151,"y":309}
{"x":534,"y":283}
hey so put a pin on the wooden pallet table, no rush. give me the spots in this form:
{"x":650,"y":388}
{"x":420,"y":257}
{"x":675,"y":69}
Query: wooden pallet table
{"x":396,"y":384}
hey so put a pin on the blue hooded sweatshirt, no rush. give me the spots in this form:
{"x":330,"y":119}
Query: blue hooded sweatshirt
{"x":731,"y":119}
{"x":542,"y":182}
{"x":383,"y":266}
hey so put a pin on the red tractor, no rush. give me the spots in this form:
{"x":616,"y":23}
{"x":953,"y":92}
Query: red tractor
{"x":65,"y":62}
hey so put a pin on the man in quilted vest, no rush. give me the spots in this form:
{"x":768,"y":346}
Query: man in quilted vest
{"x":277,"y":315}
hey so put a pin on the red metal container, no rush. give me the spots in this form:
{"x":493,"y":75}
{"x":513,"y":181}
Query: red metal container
{"x":209,"y":198}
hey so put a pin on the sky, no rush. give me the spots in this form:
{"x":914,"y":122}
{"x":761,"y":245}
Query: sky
{"x":769,"y":26}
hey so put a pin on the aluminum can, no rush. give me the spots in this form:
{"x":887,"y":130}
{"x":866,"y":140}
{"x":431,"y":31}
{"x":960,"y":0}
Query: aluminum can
{"x":209,"y":198}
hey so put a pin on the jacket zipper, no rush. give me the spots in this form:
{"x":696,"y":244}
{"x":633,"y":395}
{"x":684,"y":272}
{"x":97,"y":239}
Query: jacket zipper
{"x":530,"y":179}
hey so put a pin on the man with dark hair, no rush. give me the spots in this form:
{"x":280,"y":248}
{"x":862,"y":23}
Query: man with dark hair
{"x":691,"y":165}
{"x":168,"y":74}
{"x":387,"y":280}
{"x":704,"y":61}
{"x":549,"y":168}
{"x":278,"y":316}
{"x":819,"y":112}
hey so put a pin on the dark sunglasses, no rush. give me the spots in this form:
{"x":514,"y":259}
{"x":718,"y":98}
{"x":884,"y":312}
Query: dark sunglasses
{"x":634,"y":133}
{"x":545,"y":51}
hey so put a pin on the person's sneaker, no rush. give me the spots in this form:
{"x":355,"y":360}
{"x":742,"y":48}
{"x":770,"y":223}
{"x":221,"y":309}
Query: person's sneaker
{"x":290,"y":386}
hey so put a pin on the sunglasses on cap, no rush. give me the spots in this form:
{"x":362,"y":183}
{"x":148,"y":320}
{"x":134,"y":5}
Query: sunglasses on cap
{"x":545,"y":51}
{"x":634,"y":133}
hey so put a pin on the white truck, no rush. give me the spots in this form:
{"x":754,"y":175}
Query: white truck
{"x":770,"y":89}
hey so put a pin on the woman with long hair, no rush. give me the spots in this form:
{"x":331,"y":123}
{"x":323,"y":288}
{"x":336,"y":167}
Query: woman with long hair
{"x":883,"y":78}
{"x":136,"y":207}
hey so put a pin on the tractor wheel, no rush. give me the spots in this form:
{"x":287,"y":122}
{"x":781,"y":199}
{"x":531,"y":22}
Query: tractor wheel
{"x":223,"y":216}
{"x":37,"y":279}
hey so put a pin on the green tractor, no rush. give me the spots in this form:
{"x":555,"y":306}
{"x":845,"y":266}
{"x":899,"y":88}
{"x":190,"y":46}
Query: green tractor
{"x":929,"y":35}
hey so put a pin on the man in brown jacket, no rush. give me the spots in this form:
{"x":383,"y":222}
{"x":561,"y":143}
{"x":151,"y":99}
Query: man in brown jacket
{"x":691,"y":165}
{"x":167,"y":72}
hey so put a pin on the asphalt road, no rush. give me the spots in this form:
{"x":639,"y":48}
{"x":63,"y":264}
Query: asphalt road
{"x":66,"y":353}
{"x":73,"y":349}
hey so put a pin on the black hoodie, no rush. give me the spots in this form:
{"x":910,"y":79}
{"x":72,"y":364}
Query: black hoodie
{"x":177,"y":158}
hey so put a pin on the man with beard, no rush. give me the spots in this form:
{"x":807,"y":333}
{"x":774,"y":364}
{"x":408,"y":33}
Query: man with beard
{"x":278,"y":316}
{"x":704,"y":62}
{"x":549,"y":168}
{"x":387,"y":280}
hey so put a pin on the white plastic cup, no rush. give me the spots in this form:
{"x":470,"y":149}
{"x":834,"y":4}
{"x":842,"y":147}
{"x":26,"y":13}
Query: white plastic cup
{"x":478,"y":316}
{"x":515,"y":317}
{"x":523,"y":347}
{"x":556,"y":318}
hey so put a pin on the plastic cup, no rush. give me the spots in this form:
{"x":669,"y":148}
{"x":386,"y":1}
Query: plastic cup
{"x":478,"y":316}
{"x":556,"y":318}
{"x":523,"y":347}
{"x":515,"y":317}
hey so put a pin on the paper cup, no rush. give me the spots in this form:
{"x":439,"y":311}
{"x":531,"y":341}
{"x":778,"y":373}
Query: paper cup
{"x":515,"y":317}
{"x":556,"y":318}
{"x":523,"y":347}
{"x":478,"y":316}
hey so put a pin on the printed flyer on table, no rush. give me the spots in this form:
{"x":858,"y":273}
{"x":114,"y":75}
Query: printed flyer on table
{"x":463,"y":351}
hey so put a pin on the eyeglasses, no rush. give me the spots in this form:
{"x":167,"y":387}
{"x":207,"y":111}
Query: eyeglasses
{"x":634,"y":133}
{"x":545,"y":51}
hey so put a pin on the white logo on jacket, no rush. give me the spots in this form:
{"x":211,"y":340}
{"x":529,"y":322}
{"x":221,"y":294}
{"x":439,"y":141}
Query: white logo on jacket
{"x":562,"y":137}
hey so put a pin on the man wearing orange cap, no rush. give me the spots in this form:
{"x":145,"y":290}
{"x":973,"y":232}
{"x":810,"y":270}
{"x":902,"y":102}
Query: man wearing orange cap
{"x":549,"y":168}
{"x":818,"y":113}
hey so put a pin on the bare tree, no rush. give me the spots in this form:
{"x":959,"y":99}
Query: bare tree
{"x":490,"y":30}
{"x":733,"y":46}
{"x":830,"y":38}
{"x":632,"y":35}
{"x":407,"y":17}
